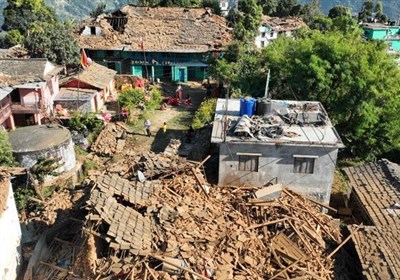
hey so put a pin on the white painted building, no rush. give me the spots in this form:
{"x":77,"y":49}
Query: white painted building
{"x":10,"y":233}
{"x":226,"y":5}
{"x":273,"y":27}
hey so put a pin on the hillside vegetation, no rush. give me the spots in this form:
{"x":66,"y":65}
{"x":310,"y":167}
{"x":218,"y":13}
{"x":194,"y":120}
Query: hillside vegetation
{"x":78,"y":9}
{"x":74,"y":9}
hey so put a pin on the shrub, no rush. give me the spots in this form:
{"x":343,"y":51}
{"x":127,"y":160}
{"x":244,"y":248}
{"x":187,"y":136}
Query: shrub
{"x":6,"y":156}
{"x":204,"y":114}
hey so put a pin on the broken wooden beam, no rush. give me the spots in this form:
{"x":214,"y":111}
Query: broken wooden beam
{"x":160,"y":258}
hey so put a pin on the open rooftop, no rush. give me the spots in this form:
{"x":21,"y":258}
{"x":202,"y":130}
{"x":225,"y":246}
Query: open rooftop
{"x":283,"y":122}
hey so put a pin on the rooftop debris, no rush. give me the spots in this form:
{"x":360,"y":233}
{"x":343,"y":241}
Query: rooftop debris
{"x":158,"y":29}
{"x":283,"y":24}
{"x":375,"y":188}
{"x":180,"y":225}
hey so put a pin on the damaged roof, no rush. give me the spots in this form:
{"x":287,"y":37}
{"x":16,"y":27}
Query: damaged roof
{"x":161,"y":29}
{"x":16,"y":71}
{"x":282,"y":24}
{"x":281,"y":121}
{"x":95,"y":75}
{"x":376,"y":188}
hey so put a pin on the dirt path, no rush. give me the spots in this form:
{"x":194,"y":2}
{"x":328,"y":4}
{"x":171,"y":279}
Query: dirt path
{"x":178,"y":120}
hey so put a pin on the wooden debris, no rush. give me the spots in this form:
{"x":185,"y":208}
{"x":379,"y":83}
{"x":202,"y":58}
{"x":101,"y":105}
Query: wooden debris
{"x":218,"y":235}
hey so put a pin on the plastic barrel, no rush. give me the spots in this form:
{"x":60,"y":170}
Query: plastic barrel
{"x":247,"y":106}
{"x":261,"y":107}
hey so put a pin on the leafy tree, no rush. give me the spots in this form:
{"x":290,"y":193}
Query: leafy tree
{"x":13,"y":37}
{"x":268,"y":6}
{"x":213,"y":4}
{"x":6,"y":156}
{"x":99,"y":10}
{"x":285,"y":8}
{"x":53,"y":42}
{"x":175,"y":3}
{"x":355,"y":80}
{"x":366,"y":11}
{"x":378,"y":9}
{"x":21,"y":14}
{"x":310,"y":10}
{"x":339,"y":11}
{"x":249,"y":20}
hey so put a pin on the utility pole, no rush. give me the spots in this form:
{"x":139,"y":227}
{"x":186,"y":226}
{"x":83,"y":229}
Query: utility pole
{"x":266,"y":86}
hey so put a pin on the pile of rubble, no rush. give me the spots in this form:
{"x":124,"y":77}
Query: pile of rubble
{"x":110,"y":141}
{"x":179,"y":228}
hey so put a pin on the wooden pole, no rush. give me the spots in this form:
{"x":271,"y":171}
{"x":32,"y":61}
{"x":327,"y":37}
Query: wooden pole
{"x":267,"y":223}
{"x":344,"y":242}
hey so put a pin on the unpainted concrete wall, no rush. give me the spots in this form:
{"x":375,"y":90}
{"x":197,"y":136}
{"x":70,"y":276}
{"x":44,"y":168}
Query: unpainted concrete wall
{"x":10,"y":240}
{"x":277,"y":161}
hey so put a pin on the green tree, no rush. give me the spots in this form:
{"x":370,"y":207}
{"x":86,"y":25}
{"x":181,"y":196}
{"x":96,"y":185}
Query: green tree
{"x":13,"y":37}
{"x":54,"y":42}
{"x":248,"y":20}
{"x":285,"y":8}
{"x":356,"y":81}
{"x":268,"y":6}
{"x":6,"y":156}
{"x":366,"y":11}
{"x":339,"y":11}
{"x":21,"y":14}
{"x":378,"y":9}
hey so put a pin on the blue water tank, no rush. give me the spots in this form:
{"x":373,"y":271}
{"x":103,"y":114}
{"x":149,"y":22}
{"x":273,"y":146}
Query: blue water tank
{"x":247,"y":106}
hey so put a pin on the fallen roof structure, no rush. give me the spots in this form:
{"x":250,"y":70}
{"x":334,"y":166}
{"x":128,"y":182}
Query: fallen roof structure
{"x":158,"y":29}
{"x":179,"y":225}
{"x":375,"y":187}
{"x":283,"y":24}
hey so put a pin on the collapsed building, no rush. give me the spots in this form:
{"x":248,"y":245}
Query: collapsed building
{"x":158,"y":43}
{"x":376,"y":197}
{"x":276,"y":141}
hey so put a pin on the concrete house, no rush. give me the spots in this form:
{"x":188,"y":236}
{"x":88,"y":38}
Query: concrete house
{"x":158,"y":43}
{"x":273,"y":27}
{"x":30,"y":85}
{"x":388,"y":33}
{"x":292,"y":143}
{"x":87,"y":90}
{"x":226,"y":6}
{"x":10,"y":235}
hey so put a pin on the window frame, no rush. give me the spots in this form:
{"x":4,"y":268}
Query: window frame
{"x":245,"y":158}
{"x":308,"y":160}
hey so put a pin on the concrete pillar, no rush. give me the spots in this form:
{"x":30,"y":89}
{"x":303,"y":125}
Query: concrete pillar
{"x":152,"y":73}
{"x":11,"y":122}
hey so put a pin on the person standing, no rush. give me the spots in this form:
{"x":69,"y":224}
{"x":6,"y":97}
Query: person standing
{"x":164,"y":128}
{"x":147,"y":126}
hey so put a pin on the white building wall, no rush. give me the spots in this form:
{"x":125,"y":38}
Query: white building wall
{"x":10,"y":240}
{"x":92,"y":31}
{"x":265,"y":36}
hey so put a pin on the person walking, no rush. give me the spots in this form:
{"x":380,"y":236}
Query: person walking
{"x":164,"y":128}
{"x":147,"y":126}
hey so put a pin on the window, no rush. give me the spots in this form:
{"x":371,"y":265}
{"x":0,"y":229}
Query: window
{"x":262,"y":34}
{"x":93,"y":30}
{"x":248,"y":162}
{"x":262,"y":44}
{"x":271,"y":34}
{"x":304,"y":164}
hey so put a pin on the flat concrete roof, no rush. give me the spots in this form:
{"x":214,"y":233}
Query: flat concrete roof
{"x":299,"y":123}
{"x":37,"y":138}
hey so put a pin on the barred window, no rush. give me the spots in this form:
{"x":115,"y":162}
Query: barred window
{"x":304,"y":165}
{"x":248,"y":163}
